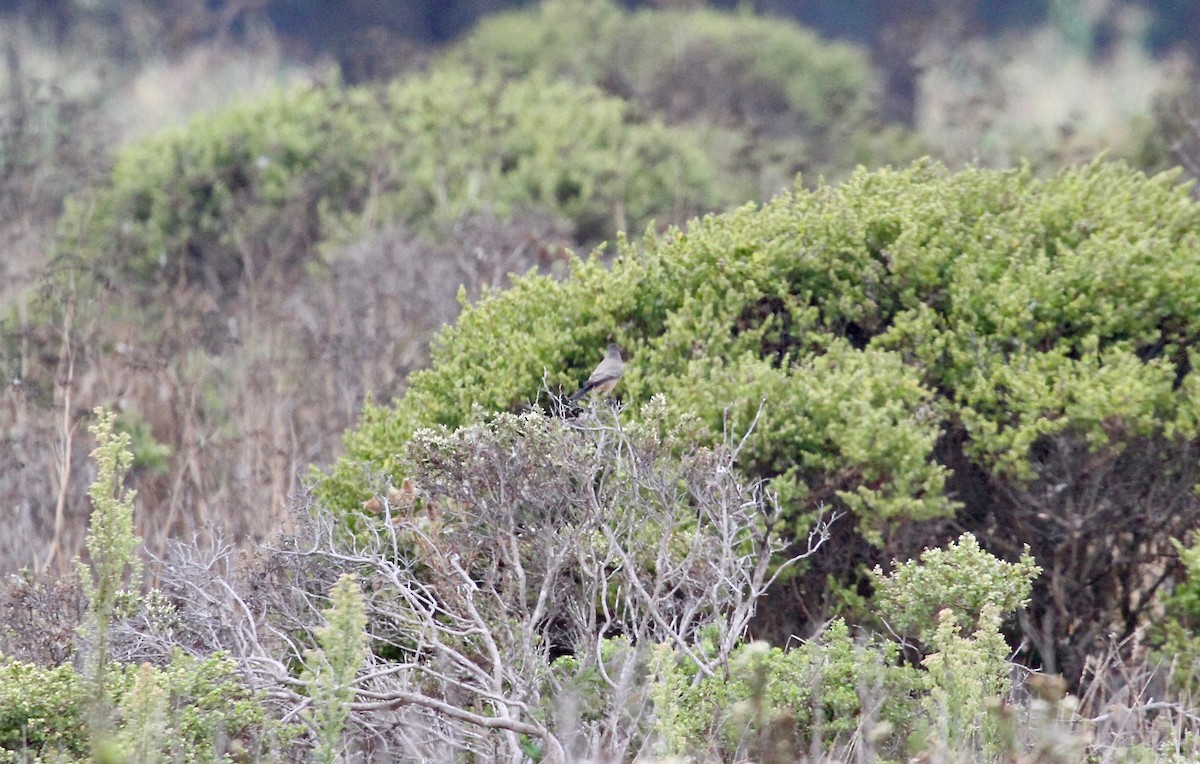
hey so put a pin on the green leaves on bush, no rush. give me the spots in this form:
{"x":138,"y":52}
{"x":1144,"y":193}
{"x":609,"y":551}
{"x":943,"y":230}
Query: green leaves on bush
{"x":775,"y":704}
{"x":192,"y":709}
{"x":111,"y":583}
{"x":871,"y":318}
{"x":329,"y":671}
{"x":961,"y":578}
{"x":836,"y":692}
{"x":256,"y":189}
{"x":771,"y":97}
{"x":41,"y":709}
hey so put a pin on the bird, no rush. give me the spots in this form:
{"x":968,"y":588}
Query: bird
{"x":606,"y":375}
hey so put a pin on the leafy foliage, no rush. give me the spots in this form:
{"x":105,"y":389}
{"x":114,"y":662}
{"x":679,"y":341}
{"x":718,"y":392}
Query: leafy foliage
{"x":772,"y":98}
{"x":966,"y":674}
{"x":255,"y":189}
{"x":41,"y":709}
{"x":835,"y":692}
{"x":111,"y":541}
{"x":111,"y":583}
{"x":925,"y":342}
{"x":919,"y":289}
{"x":210,"y":714}
{"x":330,"y":670}
{"x":776,"y":703}
{"x":960,"y":578}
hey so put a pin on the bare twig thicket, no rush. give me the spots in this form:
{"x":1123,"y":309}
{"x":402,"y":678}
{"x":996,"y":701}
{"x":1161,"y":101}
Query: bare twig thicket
{"x":515,"y":583}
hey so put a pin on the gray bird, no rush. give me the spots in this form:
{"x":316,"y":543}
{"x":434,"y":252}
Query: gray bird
{"x":606,"y":375}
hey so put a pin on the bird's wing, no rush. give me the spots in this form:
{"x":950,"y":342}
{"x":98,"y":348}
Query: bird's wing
{"x":608,"y":369}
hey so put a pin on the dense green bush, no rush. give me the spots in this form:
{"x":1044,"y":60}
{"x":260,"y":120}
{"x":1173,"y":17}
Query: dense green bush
{"x":773,"y":97}
{"x":210,"y":715}
{"x":255,"y":189}
{"x":42,"y":708}
{"x":1013,"y":349}
{"x":837,"y":691}
{"x":961,"y":577}
{"x":775,"y":703}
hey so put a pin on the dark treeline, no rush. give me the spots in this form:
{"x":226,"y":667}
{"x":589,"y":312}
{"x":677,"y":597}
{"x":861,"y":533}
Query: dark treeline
{"x":358,"y":32}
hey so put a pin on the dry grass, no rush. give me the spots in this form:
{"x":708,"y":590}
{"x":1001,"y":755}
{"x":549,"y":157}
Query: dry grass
{"x":230,"y":402}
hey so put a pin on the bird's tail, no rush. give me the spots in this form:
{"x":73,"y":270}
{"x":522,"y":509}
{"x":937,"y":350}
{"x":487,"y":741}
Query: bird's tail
{"x":582,"y":392}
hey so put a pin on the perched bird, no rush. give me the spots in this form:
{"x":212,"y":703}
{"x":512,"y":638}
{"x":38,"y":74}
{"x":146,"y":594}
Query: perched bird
{"x":606,"y":375}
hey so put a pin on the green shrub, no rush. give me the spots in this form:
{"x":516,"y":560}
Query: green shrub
{"x":41,"y":709}
{"x":953,"y":600}
{"x":1014,"y":349}
{"x":192,"y":709}
{"x":330,"y":670}
{"x":774,"y":704}
{"x":961,"y":579}
{"x":968,"y":677}
{"x":189,"y":202}
{"x":837,"y":693}
{"x":112,"y":581}
{"x":465,"y":144}
{"x":255,"y":189}
{"x":772,"y":96}
{"x":909,"y":300}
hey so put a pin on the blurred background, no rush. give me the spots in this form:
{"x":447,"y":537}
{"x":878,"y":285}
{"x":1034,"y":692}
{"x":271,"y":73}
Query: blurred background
{"x":238,"y":221}
{"x":1066,"y":65}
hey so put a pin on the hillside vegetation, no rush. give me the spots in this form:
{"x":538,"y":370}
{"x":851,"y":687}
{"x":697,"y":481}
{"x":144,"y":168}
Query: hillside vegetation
{"x":771,"y":99}
{"x":263,"y":185}
{"x":903,"y":465}
{"x":929,"y":350}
